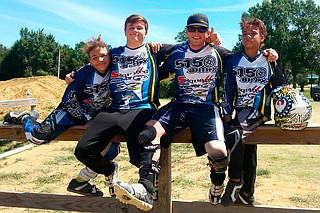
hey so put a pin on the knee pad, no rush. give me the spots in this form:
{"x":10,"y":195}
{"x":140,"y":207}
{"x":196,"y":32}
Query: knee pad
{"x":219,"y":165}
{"x":147,"y":135}
{"x":233,"y":136}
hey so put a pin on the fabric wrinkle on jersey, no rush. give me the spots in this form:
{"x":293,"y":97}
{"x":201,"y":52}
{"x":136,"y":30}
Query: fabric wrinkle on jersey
{"x":197,"y":74}
{"x":133,"y":79}
{"x":88,"y":93}
{"x":80,"y":102}
{"x":251,"y":81}
{"x":197,"y":78}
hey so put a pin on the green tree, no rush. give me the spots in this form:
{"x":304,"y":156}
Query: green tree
{"x":72,"y":59}
{"x":33,"y":54}
{"x":293,"y":30}
{"x":181,"y":37}
{"x":3,"y":53}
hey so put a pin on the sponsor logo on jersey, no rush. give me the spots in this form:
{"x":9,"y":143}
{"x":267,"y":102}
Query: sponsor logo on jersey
{"x":252,"y":74}
{"x":207,"y":64}
{"x":129,"y":61}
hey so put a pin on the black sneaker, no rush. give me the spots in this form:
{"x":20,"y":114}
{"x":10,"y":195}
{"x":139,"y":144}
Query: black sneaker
{"x":84,"y":188}
{"x":231,"y":193}
{"x":246,"y":200}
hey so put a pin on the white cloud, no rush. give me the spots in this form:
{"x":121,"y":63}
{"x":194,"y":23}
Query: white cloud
{"x":41,"y":26}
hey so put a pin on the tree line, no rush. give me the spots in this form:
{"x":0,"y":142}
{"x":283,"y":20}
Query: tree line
{"x":293,"y":31}
{"x":36,"y":54}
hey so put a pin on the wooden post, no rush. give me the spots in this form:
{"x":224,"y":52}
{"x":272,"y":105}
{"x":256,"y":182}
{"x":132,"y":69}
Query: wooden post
{"x":164,"y":195}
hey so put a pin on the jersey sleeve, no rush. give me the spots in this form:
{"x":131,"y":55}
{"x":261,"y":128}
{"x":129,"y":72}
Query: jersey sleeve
{"x":224,"y":54}
{"x":277,"y":78}
{"x":229,"y":88}
{"x":162,"y":56}
{"x":71,"y":97}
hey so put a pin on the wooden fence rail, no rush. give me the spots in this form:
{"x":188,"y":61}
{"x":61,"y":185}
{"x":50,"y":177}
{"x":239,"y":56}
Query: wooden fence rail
{"x":266,"y":134}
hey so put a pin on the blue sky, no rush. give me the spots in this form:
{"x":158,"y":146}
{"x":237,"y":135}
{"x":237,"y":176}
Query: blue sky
{"x":72,"y":21}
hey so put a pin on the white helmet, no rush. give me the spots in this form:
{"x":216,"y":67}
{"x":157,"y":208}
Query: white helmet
{"x":292,"y":110}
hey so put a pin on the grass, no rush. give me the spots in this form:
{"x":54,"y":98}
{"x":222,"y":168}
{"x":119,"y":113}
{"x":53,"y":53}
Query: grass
{"x":6,"y":145}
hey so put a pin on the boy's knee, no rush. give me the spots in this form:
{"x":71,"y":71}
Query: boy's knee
{"x":216,"y":149}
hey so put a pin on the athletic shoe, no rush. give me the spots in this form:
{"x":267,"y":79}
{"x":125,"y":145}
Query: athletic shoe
{"x":112,"y":179}
{"x":134,"y":194}
{"x":215,"y":193}
{"x":246,"y":200}
{"x":28,"y":124}
{"x":15,"y":117}
{"x":231,"y":193}
{"x":37,"y":133}
{"x":84,"y":188}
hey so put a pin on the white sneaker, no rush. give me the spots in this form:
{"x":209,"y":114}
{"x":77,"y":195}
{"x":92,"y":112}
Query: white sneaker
{"x":134,"y":194}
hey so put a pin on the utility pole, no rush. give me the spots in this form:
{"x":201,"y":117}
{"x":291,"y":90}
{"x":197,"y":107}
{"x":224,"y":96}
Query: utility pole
{"x":59,"y":64}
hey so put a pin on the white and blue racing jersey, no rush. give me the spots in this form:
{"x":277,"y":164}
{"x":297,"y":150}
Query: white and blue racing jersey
{"x":248,"y":83}
{"x":133,"y":79}
{"x":87,"y":93}
{"x":197,"y":73}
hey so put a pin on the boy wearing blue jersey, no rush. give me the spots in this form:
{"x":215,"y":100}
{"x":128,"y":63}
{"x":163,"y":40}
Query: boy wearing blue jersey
{"x":80,"y":103}
{"x":134,"y":99}
{"x":248,"y":81}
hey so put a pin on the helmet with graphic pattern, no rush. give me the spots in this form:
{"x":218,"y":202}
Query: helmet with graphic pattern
{"x":292,"y":110}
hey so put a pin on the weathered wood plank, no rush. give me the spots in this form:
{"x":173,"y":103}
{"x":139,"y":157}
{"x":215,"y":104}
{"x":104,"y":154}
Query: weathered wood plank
{"x":266,"y":134}
{"x":107,"y":204}
{"x":19,"y":103}
{"x":64,"y":202}
{"x":180,"y":206}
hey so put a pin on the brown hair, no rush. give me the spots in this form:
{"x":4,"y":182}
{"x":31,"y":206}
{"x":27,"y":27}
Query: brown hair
{"x":93,"y":43}
{"x":255,"y":22}
{"x":133,"y":19}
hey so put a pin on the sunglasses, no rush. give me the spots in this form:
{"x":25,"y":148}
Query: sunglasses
{"x":199,"y":29}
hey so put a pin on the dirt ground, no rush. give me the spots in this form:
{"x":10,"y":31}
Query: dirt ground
{"x":31,"y":170}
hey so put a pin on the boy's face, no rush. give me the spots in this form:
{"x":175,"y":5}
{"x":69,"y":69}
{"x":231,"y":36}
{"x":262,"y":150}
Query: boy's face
{"x":136,"y":33}
{"x":251,"y":37}
{"x":100,"y":59}
{"x":197,"y":36}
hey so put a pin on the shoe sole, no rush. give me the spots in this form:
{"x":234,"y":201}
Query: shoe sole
{"x":83,"y":193}
{"x":125,"y":197}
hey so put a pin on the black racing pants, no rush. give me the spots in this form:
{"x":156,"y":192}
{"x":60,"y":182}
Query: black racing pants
{"x":243,"y":160}
{"x":103,"y":128}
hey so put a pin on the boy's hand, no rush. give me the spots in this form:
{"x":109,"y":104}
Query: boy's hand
{"x":69,"y":77}
{"x":214,"y":38}
{"x":154,"y":46}
{"x":271,"y":54}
